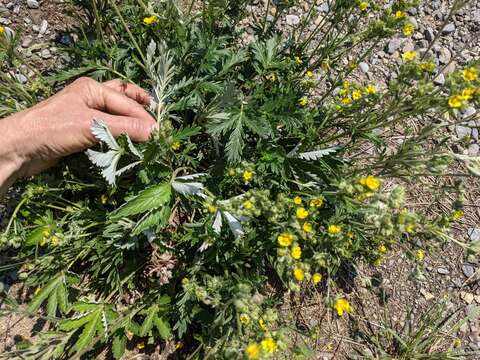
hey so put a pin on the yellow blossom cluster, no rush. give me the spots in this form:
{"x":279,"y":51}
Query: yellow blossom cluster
{"x":342,"y":306}
{"x":255,"y":350}
{"x":459,"y":100}
{"x":149,"y":20}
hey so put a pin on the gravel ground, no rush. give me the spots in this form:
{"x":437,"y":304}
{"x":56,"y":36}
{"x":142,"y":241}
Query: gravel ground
{"x":447,"y":272}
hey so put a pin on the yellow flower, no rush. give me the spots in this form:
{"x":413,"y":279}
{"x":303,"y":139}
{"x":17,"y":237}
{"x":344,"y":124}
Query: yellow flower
{"x":346,"y":84}
{"x":309,"y":74}
{"x":298,"y":274}
{"x":382,"y":249}
{"x":2,"y":29}
{"x":346,"y":101}
{"x":342,"y":306}
{"x":371,"y":182}
{"x":357,"y":95}
{"x":285,"y":239}
{"x":103,"y":199}
{"x":399,"y":14}
{"x":317,"y":202}
{"x":296,"y":252}
{"x":378,"y":261}
{"x":37,"y":290}
{"x":420,"y":254}
{"x":455,"y":101}
{"x":408,"y":29}
{"x":427,"y":66}
{"x":248,"y":205}
{"x":212,"y":209}
{"x":470,"y":74}
{"x":55,"y":241}
{"x":410,"y":228}
{"x":247,"y":175}
{"x":303,"y":101}
{"x":185,"y":281}
{"x":298,"y":60}
{"x":253,"y":351}
{"x":269,"y":345}
{"x":371,"y":89}
{"x":150,"y":20}
{"x":409,"y":55}
{"x":468,"y":93}
{"x":140,"y":345}
{"x":363,"y":6}
{"x":301,"y":213}
{"x":244,"y":319}
{"x":179,"y":345}
{"x":457,"y":214}
{"x":334,"y":229}
{"x":307,"y":227}
{"x":272,"y":77}
{"x":231,"y":172}
{"x":262,"y":325}
{"x":297,"y":200}
{"x":176,"y":145}
{"x":316,"y":278}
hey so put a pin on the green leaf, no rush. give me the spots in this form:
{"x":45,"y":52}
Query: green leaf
{"x":148,"y":322}
{"x":88,"y":333}
{"x":149,"y":199}
{"x":45,"y":292}
{"x":159,"y":217}
{"x":118,"y":346}
{"x":163,"y":327}
{"x":52,"y":304}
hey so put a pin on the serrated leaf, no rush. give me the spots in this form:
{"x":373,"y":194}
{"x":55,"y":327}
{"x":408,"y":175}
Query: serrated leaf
{"x":156,"y":218}
{"x":317,"y":154}
{"x":234,"y":224}
{"x":119,"y":345}
{"x":191,"y":177}
{"x":101,"y":131}
{"x":107,"y":162}
{"x":148,"y":321}
{"x":62,"y":299}
{"x":52,"y":304}
{"x":45,"y":293}
{"x":89,"y":330}
{"x":217,"y":224}
{"x":163,"y":327}
{"x":149,"y":199}
{"x":133,"y":149}
{"x":189,"y":188}
{"x":127,"y":167}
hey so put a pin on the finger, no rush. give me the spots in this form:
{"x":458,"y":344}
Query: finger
{"x":137,"y":129}
{"x":131,"y":90}
{"x":115,"y":103}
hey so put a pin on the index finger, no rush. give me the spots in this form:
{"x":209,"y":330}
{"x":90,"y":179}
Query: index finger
{"x":131,"y":90}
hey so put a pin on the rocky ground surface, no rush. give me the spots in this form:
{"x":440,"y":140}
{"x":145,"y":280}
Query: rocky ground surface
{"x":387,"y":290}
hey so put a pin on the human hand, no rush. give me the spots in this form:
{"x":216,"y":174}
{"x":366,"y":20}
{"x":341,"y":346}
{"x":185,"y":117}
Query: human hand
{"x":36,"y":138}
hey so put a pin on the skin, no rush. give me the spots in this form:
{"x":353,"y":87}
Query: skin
{"x":34,"y":139}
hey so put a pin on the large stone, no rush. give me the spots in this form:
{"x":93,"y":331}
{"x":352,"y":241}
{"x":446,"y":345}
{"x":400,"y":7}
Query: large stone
{"x":393,"y":45}
{"x":292,"y":20}
{"x":33,"y":4}
{"x":448,"y":29}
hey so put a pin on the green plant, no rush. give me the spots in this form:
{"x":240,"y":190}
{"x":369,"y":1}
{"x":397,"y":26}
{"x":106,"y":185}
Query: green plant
{"x":431,"y":336}
{"x":269,"y":165}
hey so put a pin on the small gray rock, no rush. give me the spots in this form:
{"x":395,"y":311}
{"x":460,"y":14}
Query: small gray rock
{"x":443,"y":271}
{"x":448,"y":29}
{"x":468,"y":270}
{"x":43,"y":27}
{"x":292,"y":20}
{"x":439,"y":80}
{"x":323,"y":8}
{"x":473,"y":149}
{"x":463,"y":131}
{"x":364,"y":67}
{"x":20,"y":77}
{"x":45,"y":54}
{"x":33,"y":4}
{"x":27,"y":41}
{"x":444,"y":56}
{"x":474,"y":234}
{"x":393,"y":45}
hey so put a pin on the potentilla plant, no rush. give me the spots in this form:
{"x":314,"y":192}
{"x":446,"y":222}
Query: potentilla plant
{"x":273,"y":165}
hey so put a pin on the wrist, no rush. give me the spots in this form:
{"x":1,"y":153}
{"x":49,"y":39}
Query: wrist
{"x":12,"y":157}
